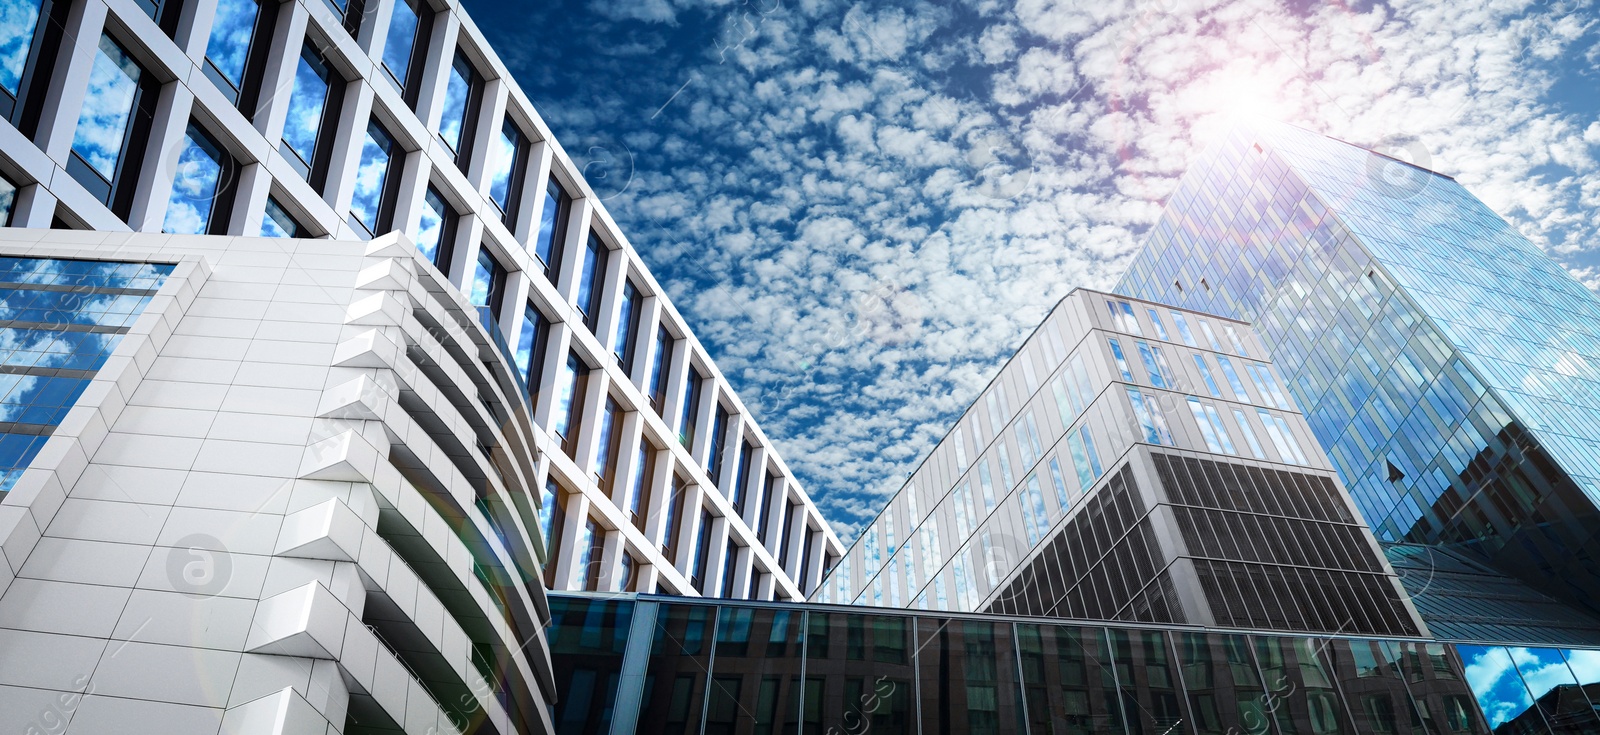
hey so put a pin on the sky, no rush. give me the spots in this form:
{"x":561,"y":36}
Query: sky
{"x":863,"y":208}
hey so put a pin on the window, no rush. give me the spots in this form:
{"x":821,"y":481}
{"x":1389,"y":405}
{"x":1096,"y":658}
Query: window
{"x":1233,"y":339}
{"x":1211,"y":337}
{"x":27,"y":57}
{"x":401,"y":52}
{"x":277,"y":222}
{"x":235,"y":62}
{"x":627,"y":326}
{"x":8,"y":200}
{"x":202,"y":187}
{"x":462,"y":91}
{"x":729,"y":557}
{"x":552,"y":228}
{"x":639,"y":500}
{"x":783,"y":536}
{"x":1249,"y":434}
{"x":1233,"y":379}
{"x":1182,"y":324}
{"x":741,"y":485}
{"x":805,"y":560}
{"x":1147,"y":411}
{"x":1211,"y":428}
{"x":591,"y":283}
{"x":1267,"y":386}
{"x":1156,"y":365}
{"x":118,"y":109}
{"x":1122,"y":318}
{"x":1122,"y":362}
{"x":371,"y":203}
{"x":436,"y":230}
{"x":763,"y":524}
{"x":488,"y":282}
{"x":1161,"y":329}
{"x":691,"y":408}
{"x":605,"y":455}
{"x":1028,"y":440}
{"x":1282,"y":438}
{"x":505,"y":175}
{"x":313,"y":105}
{"x":719,"y":443}
{"x":960,"y":443}
{"x":552,"y":518}
{"x":702,"y":551}
{"x":531,"y":342}
{"x":1060,"y":484}
{"x":591,"y":546}
{"x":1205,"y":374}
{"x":659,"y":367}
{"x":569,"y":400}
{"x":669,"y":533}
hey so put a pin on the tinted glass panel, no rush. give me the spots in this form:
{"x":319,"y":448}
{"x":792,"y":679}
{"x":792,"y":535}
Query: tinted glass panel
{"x":107,"y":107}
{"x":277,"y":222}
{"x":755,"y":679}
{"x":195,"y":185}
{"x":402,"y":36}
{"x":859,"y":674}
{"x":433,"y":229}
{"x":587,"y":639}
{"x":457,"y":95}
{"x":675,"y":687}
{"x":967,"y":673}
{"x":229,"y":45}
{"x":371,"y":176}
{"x":20,"y":18}
{"x":306,"y":104}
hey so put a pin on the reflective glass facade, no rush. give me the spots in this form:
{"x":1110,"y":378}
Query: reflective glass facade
{"x":650,"y":664}
{"x":59,"y":321}
{"x":1447,"y":365}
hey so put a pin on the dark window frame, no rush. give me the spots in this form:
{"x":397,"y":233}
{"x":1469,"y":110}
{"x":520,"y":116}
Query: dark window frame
{"x":315,"y":171}
{"x":469,"y":116}
{"x":222,"y":201}
{"x":117,"y":194}
{"x":247,"y":96}
{"x":25,"y":109}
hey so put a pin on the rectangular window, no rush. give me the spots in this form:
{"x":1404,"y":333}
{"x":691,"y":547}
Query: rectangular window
{"x":1089,"y":450}
{"x":27,"y":57}
{"x":1233,"y":379}
{"x":985,"y":484}
{"x":371,"y":204}
{"x":741,"y":485}
{"x":960,"y":444}
{"x":1028,"y":441}
{"x":605,"y":455}
{"x":277,"y":222}
{"x":763,"y":523}
{"x":659,"y":367}
{"x":1205,"y":374}
{"x":202,"y":187}
{"x":1249,"y":434}
{"x":669,"y":532}
{"x":1267,"y":386}
{"x":627,"y":326}
{"x":1233,"y":339}
{"x":1122,"y":318}
{"x":235,"y":63}
{"x":531,"y":342}
{"x":1154,"y":364}
{"x":702,"y":551}
{"x":591,"y":547}
{"x":113,"y":127}
{"x":1004,"y":457}
{"x":805,"y":560}
{"x":1282,"y":438}
{"x":1211,"y":428}
{"x":1211,"y":337}
{"x":728,"y":560}
{"x":488,"y":282}
{"x":436,"y":229}
{"x":569,"y":400}
{"x":691,"y":408}
{"x":592,"y":282}
{"x":1038,"y":523}
{"x":463,"y":90}
{"x":639,"y":499}
{"x":1161,"y":329}
{"x":505,"y":174}
{"x":1122,"y":362}
{"x":1060,"y":483}
{"x":313,"y":107}
{"x":999,"y":413}
{"x":552,"y":228}
{"x":719,"y":444}
{"x":1179,"y":321}
{"x":552,"y":519}
{"x":402,"y":54}
{"x":1147,"y":422}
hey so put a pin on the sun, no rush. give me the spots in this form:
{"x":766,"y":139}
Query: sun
{"x":1239,"y":92}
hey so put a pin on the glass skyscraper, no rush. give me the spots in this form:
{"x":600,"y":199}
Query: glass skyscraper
{"x":1444,"y":362}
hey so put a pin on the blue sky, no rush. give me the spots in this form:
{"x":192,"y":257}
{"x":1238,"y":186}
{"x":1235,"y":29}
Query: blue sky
{"x":864,"y":207}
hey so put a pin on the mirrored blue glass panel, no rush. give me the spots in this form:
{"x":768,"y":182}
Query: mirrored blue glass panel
{"x":371,"y":177}
{"x":18,"y":20}
{"x":277,"y":222}
{"x":457,"y":96}
{"x":402,"y":37}
{"x":107,"y":108}
{"x":307,"y":106}
{"x":228,"y":48}
{"x":196,"y":184}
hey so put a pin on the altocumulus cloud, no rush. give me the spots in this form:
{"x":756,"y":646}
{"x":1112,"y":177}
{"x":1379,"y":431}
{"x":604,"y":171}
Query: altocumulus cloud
{"x":863,"y":207}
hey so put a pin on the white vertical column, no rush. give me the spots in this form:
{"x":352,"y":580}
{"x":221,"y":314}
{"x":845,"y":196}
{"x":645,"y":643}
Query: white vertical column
{"x":34,"y":207}
{"x":568,"y":572}
{"x":755,"y":490}
{"x":410,"y":191}
{"x":628,"y":466}
{"x":250,"y":200}
{"x":464,"y":251}
{"x":375,"y":30}
{"x":435,"y":69}
{"x":573,"y":249}
{"x":161,"y":156}
{"x":516,"y":294}
{"x":490,"y":116}
{"x":277,"y":82}
{"x":353,"y":116}
{"x":731,"y":446}
{"x":594,"y":407}
{"x":610,"y":299}
{"x":644,"y":342}
{"x":555,"y":362}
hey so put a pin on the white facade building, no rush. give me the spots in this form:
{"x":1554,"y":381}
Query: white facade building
{"x":280,"y":143}
{"x":1131,"y":462}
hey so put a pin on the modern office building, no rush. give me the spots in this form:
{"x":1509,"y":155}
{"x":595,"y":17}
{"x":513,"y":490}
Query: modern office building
{"x":658,"y":666}
{"x":1131,"y":462}
{"x":1447,"y":366}
{"x":253,"y":250}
